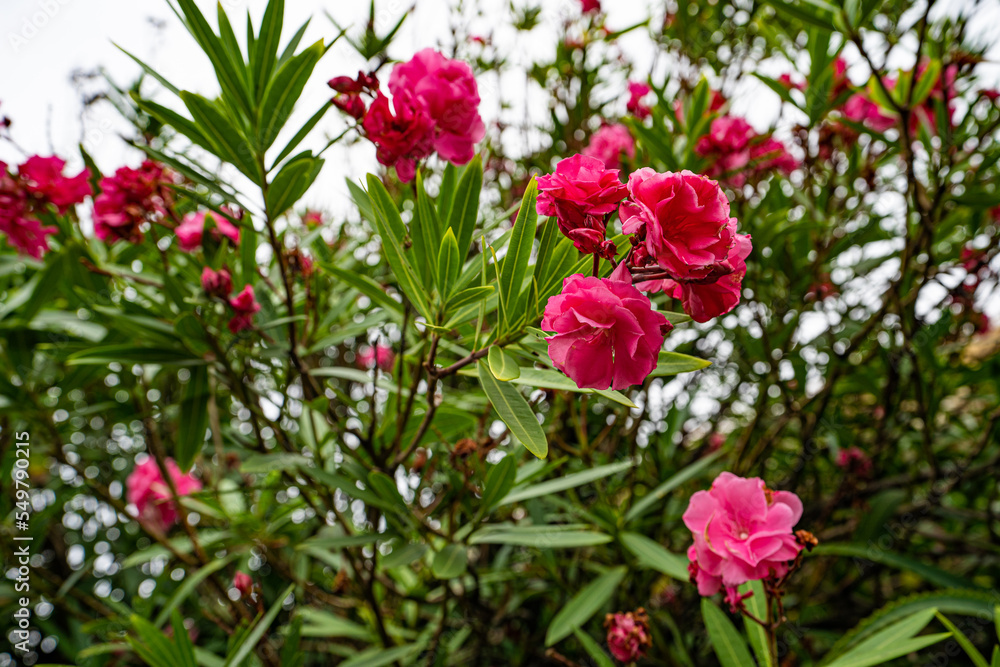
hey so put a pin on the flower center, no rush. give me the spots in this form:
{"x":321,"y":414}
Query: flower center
{"x":744,"y":535}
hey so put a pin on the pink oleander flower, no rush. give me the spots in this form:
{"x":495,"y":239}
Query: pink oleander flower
{"x":854,"y":461}
{"x":635,"y":106}
{"x":770,"y":154}
{"x":742,"y":532}
{"x":149,"y":492}
{"x":23,"y":229}
{"x":243,"y":582}
{"x":786,"y":81}
{"x":43,"y":178}
{"x":244,"y":306}
{"x":447,"y":91}
{"x":129,"y":198}
{"x":860,"y":109}
{"x":705,"y":300}
{"x":606,"y":331}
{"x":580,"y":194}
{"x":192,"y":229}
{"x":380,"y":355}
{"x":402,"y":135}
{"x":684,"y":219}
{"x":312,"y":219}
{"x":728,"y":145}
{"x":609,"y":143}
{"x":216,"y":283}
{"x":628,"y":634}
{"x":588,"y":6}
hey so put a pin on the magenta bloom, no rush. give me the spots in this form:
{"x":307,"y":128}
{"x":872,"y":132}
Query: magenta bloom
{"x":705,"y":300}
{"x":685,"y":218}
{"x":860,"y":109}
{"x":771,"y":154}
{"x":401,"y":138}
{"x":854,"y":461}
{"x":380,"y":355}
{"x":243,"y":582}
{"x":446,"y":90}
{"x":606,"y":331}
{"x":728,"y":145}
{"x":43,"y":178}
{"x":149,"y":492}
{"x":587,"y":6}
{"x":129,"y":198}
{"x":580,"y":194}
{"x":609,"y":143}
{"x":244,"y":307}
{"x":742,"y":532}
{"x":190,"y":231}
{"x":23,"y":229}
{"x":216,"y":283}
{"x":635,"y":106}
{"x":628,"y":635}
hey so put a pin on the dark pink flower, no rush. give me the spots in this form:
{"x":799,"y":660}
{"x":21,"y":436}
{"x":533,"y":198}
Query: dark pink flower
{"x":786,"y":81}
{"x":703,"y":300}
{"x":606,"y":331}
{"x":770,"y":154}
{"x":244,"y":306}
{"x":447,"y":91}
{"x":742,"y":532}
{"x":129,"y":198}
{"x":860,"y":109}
{"x":380,"y":355}
{"x":727,"y":144}
{"x":216,"y":283}
{"x":352,"y":105}
{"x":635,"y":106}
{"x":401,"y":138}
{"x":23,"y":229}
{"x":609,"y":143}
{"x":587,"y":6}
{"x":190,"y":231}
{"x":43,"y":178}
{"x":854,"y":461}
{"x":312,"y":219}
{"x":149,"y":492}
{"x":628,"y":634}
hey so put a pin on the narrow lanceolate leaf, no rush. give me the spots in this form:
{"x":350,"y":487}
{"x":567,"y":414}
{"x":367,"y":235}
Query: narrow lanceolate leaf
{"x":465,"y":205}
{"x":291,"y":183}
{"x":539,"y":537}
{"x":250,"y":642}
{"x":449,"y":263}
{"x":499,"y":481}
{"x":593,"y":649}
{"x":365,"y":285}
{"x":502,"y":365}
{"x":651,"y":499}
{"x":514,"y":411}
{"x":566,"y":482}
{"x":963,"y":641}
{"x":425,"y":232}
{"x":193,"y":418}
{"x":450,"y":562}
{"x":727,"y":643}
{"x":674,"y":363}
{"x":756,"y":635}
{"x":385,"y":215}
{"x":582,"y":606}
{"x":284,"y":91}
{"x":266,"y":48}
{"x":229,"y":144}
{"x":514,"y":269}
{"x":652,"y":555}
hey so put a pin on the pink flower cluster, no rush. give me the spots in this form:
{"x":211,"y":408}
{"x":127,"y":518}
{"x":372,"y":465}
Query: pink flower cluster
{"x":380,"y":355}
{"x":192,"y":228}
{"x":149,"y":492}
{"x":129,"y":198}
{"x":39,"y":188}
{"x":609,"y":144}
{"x":742,"y":532}
{"x":733,"y":146}
{"x":219,"y":284}
{"x":628,"y":634}
{"x":434,"y":108}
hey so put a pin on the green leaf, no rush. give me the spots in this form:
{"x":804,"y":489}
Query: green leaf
{"x":365,"y":285}
{"x":582,"y":606}
{"x":571,"y":481}
{"x":502,"y":365}
{"x":674,"y":363}
{"x":593,"y":649}
{"x":756,"y":635}
{"x":468,"y":296}
{"x":514,"y":268}
{"x":301,"y":134}
{"x":499,"y":481}
{"x":229,"y":144}
{"x":926,"y":82}
{"x":450,"y":562}
{"x":813,"y":12}
{"x":319,"y":623}
{"x":647,"y":502}
{"x":652,"y":555}
{"x":449,"y":263}
{"x":265,"y":463}
{"x":132,"y":354}
{"x":284,"y":91}
{"x":189,"y":583}
{"x":515,"y":412}
{"x":403,"y":555}
{"x":727,"y":643}
{"x":380,"y":657}
{"x":265,"y":53}
{"x":252,"y":638}
{"x":291,"y":183}
{"x":391,"y":229}
{"x":892,"y":642}
{"x":193,"y":418}
{"x":464,"y":209}
{"x":884,"y":557}
{"x":539,"y":537}
{"x":964,"y":642}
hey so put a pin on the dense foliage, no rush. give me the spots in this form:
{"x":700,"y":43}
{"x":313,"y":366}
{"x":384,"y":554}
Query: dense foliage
{"x":477,"y":420}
